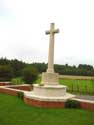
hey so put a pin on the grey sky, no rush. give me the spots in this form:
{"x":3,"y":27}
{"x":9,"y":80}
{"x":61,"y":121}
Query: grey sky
{"x":23,"y":24}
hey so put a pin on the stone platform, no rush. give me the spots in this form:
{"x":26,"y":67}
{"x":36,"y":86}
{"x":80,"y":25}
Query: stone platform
{"x":47,"y":96}
{"x":46,"y":102}
{"x":49,"y":93}
{"x":49,"y":90}
{"x":49,"y":99}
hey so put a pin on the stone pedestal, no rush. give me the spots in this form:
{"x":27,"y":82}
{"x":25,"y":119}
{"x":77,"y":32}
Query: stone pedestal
{"x":50,"y":78}
{"x":49,"y":93}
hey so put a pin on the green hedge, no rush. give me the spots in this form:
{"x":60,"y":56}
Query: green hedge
{"x":72,"y":104}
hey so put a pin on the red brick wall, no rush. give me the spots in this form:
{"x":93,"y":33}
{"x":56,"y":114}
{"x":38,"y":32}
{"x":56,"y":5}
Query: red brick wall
{"x":8,"y":91}
{"x":4,"y":83}
{"x":37,"y":103}
{"x":26,"y":88}
{"x":13,"y":90}
{"x":87,"y":105}
{"x":43,"y":104}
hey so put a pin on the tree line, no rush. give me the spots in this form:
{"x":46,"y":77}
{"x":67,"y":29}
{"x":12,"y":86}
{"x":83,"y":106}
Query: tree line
{"x":80,"y":70}
{"x":14,"y":68}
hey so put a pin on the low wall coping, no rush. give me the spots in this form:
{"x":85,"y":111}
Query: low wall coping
{"x":83,"y":100}
{"x":18,"y":85}
{"x":6,"y":88}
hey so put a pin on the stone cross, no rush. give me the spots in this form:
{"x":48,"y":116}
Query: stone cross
{"x":51,"y":47}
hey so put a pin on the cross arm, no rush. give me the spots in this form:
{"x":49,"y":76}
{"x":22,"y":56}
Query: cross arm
{"x":47,"y":32}
{"x":55,"y":31}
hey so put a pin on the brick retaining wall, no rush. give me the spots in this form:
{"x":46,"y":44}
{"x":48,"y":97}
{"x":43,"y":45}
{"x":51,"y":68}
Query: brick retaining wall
{"x":84,"y":105}
{"x":4,"y":83}
{"x":43,"y":104}
{"x":13,"y":90}
{"x":22,"y":87}
{"x":8,"y":91}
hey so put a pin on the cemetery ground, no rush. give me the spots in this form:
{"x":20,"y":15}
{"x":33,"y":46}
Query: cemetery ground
{"x":13,"y":111}
{"x":83,"y":87}
{"x":76,"y":86}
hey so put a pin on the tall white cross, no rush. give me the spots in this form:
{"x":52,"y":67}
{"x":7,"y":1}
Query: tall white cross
{"x":51,"y":47}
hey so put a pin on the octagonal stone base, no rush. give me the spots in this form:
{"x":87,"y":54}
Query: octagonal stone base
{"x":49,"y":93}
{"x":49,"y":90}
{"x":47,"y":96}
{"x":64,"y":98}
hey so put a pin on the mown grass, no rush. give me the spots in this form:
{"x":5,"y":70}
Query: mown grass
{"x":13,"y":111}
{"x":79,"y":86}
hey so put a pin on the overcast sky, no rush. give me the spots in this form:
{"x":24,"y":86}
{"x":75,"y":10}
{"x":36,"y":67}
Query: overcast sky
{"x":23,"y":24}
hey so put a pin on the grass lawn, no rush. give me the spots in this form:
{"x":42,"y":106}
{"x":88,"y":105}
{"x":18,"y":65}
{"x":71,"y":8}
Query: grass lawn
{"x":79,"y":86}
{"x":13,"y":111}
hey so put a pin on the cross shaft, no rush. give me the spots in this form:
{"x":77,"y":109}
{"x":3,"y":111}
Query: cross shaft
{"x":51,"y":32}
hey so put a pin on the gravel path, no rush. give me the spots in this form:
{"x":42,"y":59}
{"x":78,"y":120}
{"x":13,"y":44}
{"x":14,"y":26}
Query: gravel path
{"x":85,"y":97}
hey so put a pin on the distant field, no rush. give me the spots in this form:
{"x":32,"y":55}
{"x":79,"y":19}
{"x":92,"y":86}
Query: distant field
{"x":14,"y":111}
{"x":76,"y":77}
{"x":79,"y":86}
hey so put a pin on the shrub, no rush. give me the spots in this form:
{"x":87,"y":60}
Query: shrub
{"x":30,"y":74}
{"x":72,"y":104}
{"x":17,"y":81}
{"x":20,"y":95}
